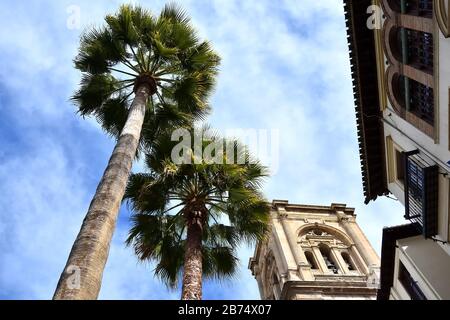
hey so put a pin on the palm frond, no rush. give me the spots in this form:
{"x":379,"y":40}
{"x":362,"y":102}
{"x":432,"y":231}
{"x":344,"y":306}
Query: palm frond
{"x":122,"y":27}
{"x":219,"y":262}
{"x":191,"y":93}
{"x":201,"y":57}
{"x":146,"y":194}
{"x":175,"y":13}
{"x":220,"y":234}
{"x":113,"y":114}
{"x":99,"y":50}
{"x":94,"y":90}
{"x":252,"y":221}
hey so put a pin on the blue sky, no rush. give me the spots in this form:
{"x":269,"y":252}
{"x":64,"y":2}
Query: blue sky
{"x":285,"y":66}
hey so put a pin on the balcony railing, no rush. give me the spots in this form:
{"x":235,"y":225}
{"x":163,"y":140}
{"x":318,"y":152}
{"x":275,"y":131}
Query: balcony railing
{"x":421,"y":193}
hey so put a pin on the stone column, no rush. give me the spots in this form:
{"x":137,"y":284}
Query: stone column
{"x":358,"y":260}
{"x":339,"y":261}
{"x":363,"y":245}
{"x":322,"y":266}
{"x":302,"y":264}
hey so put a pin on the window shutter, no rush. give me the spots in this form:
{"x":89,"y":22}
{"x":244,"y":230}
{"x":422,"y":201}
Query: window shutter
{"x":421,"y":193}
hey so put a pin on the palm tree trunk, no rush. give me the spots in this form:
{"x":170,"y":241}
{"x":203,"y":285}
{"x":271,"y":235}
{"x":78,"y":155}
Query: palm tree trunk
{"x":192,"y":276}
{"x":82,"y":275}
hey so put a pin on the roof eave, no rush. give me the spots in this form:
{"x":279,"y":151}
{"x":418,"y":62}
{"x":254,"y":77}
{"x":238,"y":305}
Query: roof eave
{"x":361,"y":43}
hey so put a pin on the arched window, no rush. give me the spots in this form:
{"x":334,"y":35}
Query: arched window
{"x":414,"y":97}
{"x":348,"y":261}
{"x":400,"y":84}
{"x":409,"y":48}
{"x":422,"y":8}
{"x":311,"y":260}
{"x":414,"y":48}
{"x":326,"y":254}
{"x":275,"y":279}
{"x":276,"y":286}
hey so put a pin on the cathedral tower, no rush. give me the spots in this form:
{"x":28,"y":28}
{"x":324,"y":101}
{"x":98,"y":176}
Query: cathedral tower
{"x":315,"y":252}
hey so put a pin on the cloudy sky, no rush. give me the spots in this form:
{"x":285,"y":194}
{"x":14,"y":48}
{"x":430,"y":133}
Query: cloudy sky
{"x":285,"y":66}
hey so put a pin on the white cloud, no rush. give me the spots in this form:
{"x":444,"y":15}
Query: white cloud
{"x":43,"y":203}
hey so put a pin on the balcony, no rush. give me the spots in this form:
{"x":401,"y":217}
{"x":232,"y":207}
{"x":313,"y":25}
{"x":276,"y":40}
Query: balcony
{"x":421,"y":193}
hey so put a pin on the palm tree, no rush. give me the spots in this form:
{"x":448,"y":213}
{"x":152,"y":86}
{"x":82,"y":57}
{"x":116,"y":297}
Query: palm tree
{"x":137,"y":70}
{"x":179,"y":211}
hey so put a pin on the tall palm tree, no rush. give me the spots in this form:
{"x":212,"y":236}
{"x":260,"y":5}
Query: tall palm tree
{"x":138,"y":70}
{"x":180,"y":209}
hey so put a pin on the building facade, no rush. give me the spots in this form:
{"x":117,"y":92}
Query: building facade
{"x":400,"y":64}
{"x":315,"y":252}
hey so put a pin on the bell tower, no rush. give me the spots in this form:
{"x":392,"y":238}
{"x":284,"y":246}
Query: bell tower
{"x":315,"y":252}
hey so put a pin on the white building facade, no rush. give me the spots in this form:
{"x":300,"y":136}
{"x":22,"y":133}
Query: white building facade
{"x":401,"y":75}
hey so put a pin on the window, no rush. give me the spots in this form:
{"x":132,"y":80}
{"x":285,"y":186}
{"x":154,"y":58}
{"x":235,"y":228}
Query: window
{"x":422,"y":101}
{"x":311,"y":260}
{"x":421,"y":193}
{"x":326,"y":254}
{"x":420,"y":49}
{"x":422,"y":8}
{"x":348,"y":261}
{"x":275,"y":279}
{"x":409,"y":284}
{"x":416,"y":98}
{"x":400,"y":166}
{"x":276,"y":286}
{"x":415,"y":48}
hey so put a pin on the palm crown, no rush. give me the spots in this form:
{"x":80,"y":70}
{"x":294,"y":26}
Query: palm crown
{"x":135,"y":49}
{"x":171,"y":197}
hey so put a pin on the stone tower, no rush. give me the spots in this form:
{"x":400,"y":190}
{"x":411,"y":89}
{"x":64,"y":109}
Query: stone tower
{"x":315,"y":252}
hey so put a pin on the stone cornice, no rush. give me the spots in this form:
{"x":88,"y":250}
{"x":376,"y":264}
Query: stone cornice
{"x":280,"y":205}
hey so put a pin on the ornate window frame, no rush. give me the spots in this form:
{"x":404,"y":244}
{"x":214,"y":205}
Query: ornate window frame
{"x":337,"y":241}
{"x":442,"y":15}
{"x":396,"y":68}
